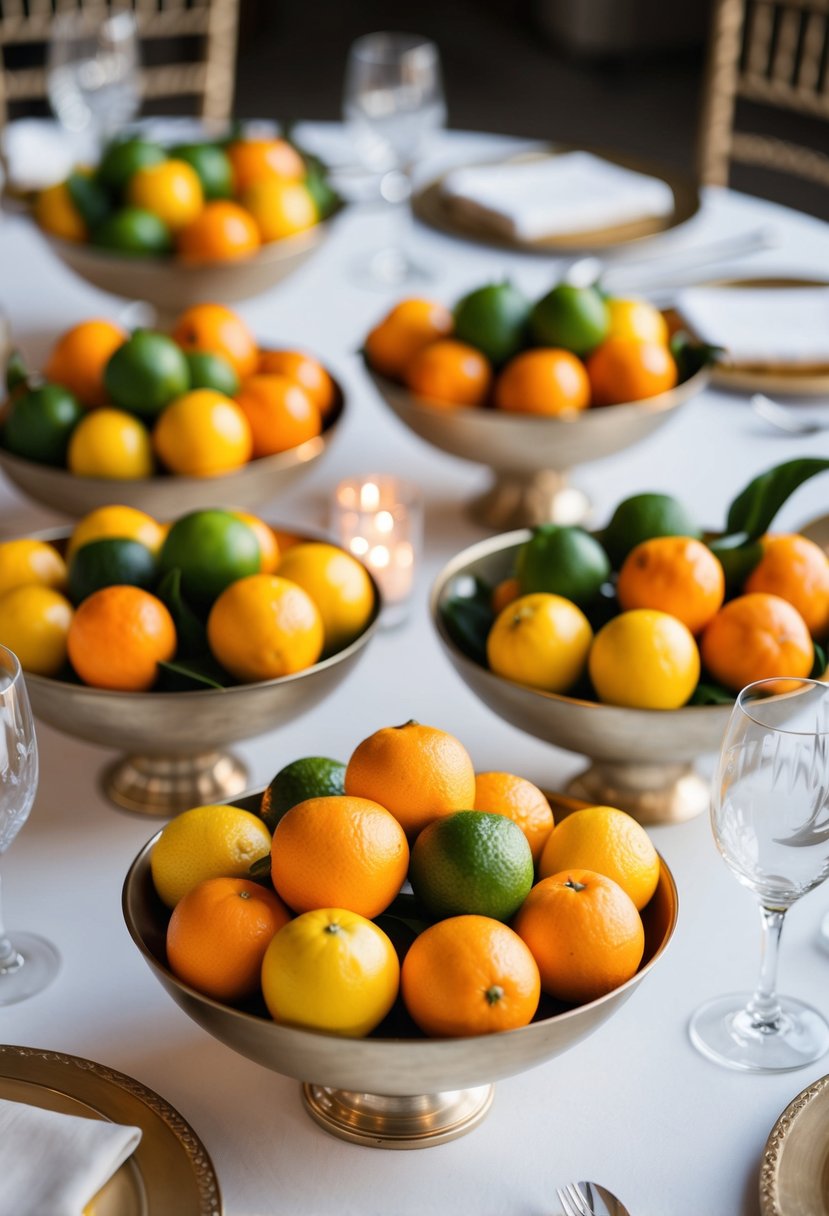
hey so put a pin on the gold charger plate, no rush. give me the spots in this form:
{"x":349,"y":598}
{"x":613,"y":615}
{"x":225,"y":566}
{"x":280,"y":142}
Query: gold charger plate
{"x":436,"y":209}
{"x":794,"y":1175}
{"x":170,"y":1171}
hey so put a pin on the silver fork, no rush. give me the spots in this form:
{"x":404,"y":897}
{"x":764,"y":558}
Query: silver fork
{"x":785,"y":419}
{"x":589,"y":1199}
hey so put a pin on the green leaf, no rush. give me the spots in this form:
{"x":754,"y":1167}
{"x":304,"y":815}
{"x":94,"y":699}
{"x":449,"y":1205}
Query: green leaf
{"x":738,"y":556}
{"x":691,"y":355}
{"x":753,"y":510}
{"x":191,"y":633}
{"x":820,"y":663}
{"x":468,"y":619}
{"x":711,"y":694}
{"x":90,"y":199}
{"x":16,"y":371}
{"x":200,"y":673}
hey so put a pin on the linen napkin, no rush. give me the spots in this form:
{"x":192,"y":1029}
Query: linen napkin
{"x":557,"y":195}
{"x":761,"y":325}
{"x":38,"y":152}
{"x":53,"y":1164}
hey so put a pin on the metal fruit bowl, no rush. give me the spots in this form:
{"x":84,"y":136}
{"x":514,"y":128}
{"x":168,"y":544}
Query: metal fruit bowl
{"x":387,"y":1092}
{"x":642,"y":759}
{"x":530,"y":456}
{"x":166,"y":495}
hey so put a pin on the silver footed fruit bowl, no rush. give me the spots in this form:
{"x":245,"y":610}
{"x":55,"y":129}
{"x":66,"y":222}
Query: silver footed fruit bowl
{"x":393,"y":1089}
{"x":642,"y":760}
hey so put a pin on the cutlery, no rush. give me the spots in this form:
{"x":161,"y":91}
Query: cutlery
{"x":589,"y":1199}
{"x":784,"y":419}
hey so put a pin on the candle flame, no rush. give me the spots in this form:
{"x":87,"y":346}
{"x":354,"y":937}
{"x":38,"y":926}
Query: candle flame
{"x":369,"y":496}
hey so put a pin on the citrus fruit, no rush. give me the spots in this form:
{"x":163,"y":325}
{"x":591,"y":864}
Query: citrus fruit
{"x":280,"y":413}
{"x":411,"y":324}
{"x":606,"y":840}
{"x":134,"y":231}
{"x":504,"y":593}
{"x":755,"y":637}
{"x":117,"y":638}
{"x":644,"y":659}
{"x":125,"y":157}
{"x":40,"y":423}
{"x":218,"y":935}
{"x":126,"y":522}
{"x":262,"y":627}
{"x":266,"y":539}
{"x":104,"y":563}
{"x":636,"y":319}
{"x":56,"y":213}
{"x":308,"y":777}
{"x":216,"y":330}
{"x":520,"y":801}
{"x":34,"y":623}
{"x":417,"y":772}
{"x":338,"y":584}
{"x":212,"y":549}
{"x":550,"y":382}
{"x":574,"y":318}
{"x":30,"y":561}
{"x":212,"y":165}
{"x":78,"y":358}
{"x":206,"y":842}
{"x":257,"y":160}
{"x":212,"y":371}
{"x":146,"y":373}
{"x":111,"y":444}
{"x":330,"y":970}
{"x":171,"y":190}
{"x":797,"y":570}
{"x":469,"y":975}
{"x":493,"y":319}
{"x":472,"y":862}
{"x":450,"y":372}
{"x":628,"y":369}
{"x":541,"y":640}
{"x":642,"y":517}
{"x":221,"y":232}
{"x":202,"y":434}
{"x":563,"y":560}
{"x":280,"y":208}
{"x":584,"y":933}
{"x":306,"y":371}
{"x":674,"y":574}
{"x":339,"y":851}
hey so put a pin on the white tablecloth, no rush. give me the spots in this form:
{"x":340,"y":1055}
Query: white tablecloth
{"x":633,"y":1106}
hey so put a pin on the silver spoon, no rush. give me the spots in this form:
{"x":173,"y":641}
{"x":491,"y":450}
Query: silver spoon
{"x":589,"y":1199}
{"x":785,"y":420}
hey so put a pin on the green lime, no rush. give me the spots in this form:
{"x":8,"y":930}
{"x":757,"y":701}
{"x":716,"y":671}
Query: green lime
{"x":89,"y":198}
{"x":562,"y":560}
{"x":310,"y":777}
{"x":493,"y":319}
{"x":212,"y":371}
{"x":107,"y":562}
{"x":133,"y":230}
{"x":146,"y":373}
{"x":471,"y":862}
{"x":212,"y":166}
{"x":125,"y":157}
{"x":641,"y":517}
{"x":212,"y":549}
{"x":40,"y":424}
{"x":573,"y":318}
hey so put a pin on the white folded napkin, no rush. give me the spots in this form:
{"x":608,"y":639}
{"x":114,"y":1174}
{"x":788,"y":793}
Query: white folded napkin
{"x":53,"y":1164}
{"x":761,"y":325}
{"x":557,"y":195}
{"x":38,"y":152}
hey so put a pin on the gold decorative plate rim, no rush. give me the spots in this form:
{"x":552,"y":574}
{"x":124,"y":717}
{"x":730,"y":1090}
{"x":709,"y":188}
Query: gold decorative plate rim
{"x":773,"y":1200}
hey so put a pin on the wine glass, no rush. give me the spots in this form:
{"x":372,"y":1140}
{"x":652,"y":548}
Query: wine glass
{"x":92,"y":71}
{"x":27,"y":962}
{"x":770,"y":818}
{"x":392,"y":101}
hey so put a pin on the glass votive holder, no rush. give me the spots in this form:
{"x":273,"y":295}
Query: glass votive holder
{"x":379,"y":518}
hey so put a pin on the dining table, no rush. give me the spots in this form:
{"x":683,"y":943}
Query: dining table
{"x":634,"y":1105}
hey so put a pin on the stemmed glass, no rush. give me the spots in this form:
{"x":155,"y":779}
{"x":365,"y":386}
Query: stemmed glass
{"x":27,"y":962}
{"x":770,"y":818}
{"x":392,"y":101}
{"x":92,"y":71}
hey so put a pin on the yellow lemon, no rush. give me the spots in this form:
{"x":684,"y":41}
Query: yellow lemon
{"x":125,"y":523}
{"x":542,"y":640}
{"x":111,"y":444}
{"x":606,"y":840}
{"x":206,"y":842}
{"x":338,"y":584}
{"x":170,"y":189}
{"x":30,"y":561}
{"x":637,"y":319}
{"x":56,"y":213}
{"x":644,"y":659}
{"x":34,"y":623}
{"x":280,"y":208}
{"x":203,"y":434}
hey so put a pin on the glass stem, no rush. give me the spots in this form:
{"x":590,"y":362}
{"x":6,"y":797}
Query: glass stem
{"x":10,"y":960}
{"x":764,"y":1007}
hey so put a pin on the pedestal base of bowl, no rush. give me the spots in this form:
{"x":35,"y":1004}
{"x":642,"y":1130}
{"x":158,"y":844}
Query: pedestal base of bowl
{"x":651,"y":793}
{"x":166,"y":785}
{"x":382,"y":1121}
{"x":524,"y":500}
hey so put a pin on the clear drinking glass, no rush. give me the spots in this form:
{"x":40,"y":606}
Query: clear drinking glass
{"x":27,"y":962}
{"x":92,"y":71}
{"x":770,"y":818}
{"x":392,"y":102}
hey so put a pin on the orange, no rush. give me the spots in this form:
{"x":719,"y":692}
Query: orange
{"x":546,"y":381}
{"x":117,"y":638}
{"x":339,"y":851}
{"x":256,"y":160}
{"x":280,"y":208}
{"x":338,"y":584}
{"x":609,"y":841}
{"x":221,"y":232}
{"x":263,"y":627}
{"x":584,"y":932}
{"x":218,"y":935}
{"x":520,"y":801}
{"x":217,"y":330}
{"x":417,"y":772}
{"x":171,"y":189}
{"x":280,"y":413}
{"x":504,"y":593}
{"x":411,"y":325}
{"x":629,"y":369}
{"x":78,"y":358}
{"x":58,"y":215}
{"x":469,"y":975}
{"x":202,"y":434}
{"x":674,"y":574}
{"x":756,"y":637}
{"x":265,"y":535}
{"x":542,"y":640}
{"x":305,"y":370}
{"x":797,"y":570}
{"x":449,"y":372}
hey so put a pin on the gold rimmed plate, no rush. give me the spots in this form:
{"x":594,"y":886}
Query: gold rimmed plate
{"x":170,"y":1170}
{"x":795,"y":1168}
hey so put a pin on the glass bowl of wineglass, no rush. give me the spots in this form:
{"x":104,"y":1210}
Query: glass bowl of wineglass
{"x":92,"y":71}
